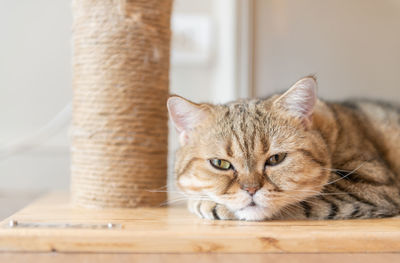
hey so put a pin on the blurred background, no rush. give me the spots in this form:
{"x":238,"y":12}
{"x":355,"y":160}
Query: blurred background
{"x":221,"y":50}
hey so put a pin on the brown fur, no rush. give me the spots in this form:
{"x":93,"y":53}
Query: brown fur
{"x":342,"y":164}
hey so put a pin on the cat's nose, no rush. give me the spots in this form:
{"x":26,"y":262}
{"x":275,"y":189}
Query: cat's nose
{"x":251,"y":190}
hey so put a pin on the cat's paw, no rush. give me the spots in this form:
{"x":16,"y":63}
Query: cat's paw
{"x":210,"y":210}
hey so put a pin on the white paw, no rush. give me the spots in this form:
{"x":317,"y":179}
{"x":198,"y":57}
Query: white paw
{"x":210,"y":210}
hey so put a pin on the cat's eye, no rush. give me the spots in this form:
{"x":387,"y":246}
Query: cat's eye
{"x":220,"y":164}
{"x":275,"y":159}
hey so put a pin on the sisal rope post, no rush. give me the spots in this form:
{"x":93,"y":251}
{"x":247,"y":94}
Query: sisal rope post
{"x":119,"y":131}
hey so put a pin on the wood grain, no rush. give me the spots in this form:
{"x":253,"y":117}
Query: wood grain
{"x":198,"y":258}
{"x":174,"y":230}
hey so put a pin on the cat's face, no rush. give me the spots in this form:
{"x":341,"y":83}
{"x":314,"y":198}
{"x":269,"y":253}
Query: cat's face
{"x":255,"y":157}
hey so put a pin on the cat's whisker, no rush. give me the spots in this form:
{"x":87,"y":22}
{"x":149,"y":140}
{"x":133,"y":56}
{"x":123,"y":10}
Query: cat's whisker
{"x":294,"y":204}
{"x":305,"y":190}
{"x":335,"y":170}
{"x":166,"y":191}
{"x":342,"y":193}
{"x":295,"y":198}
{"x":288,"y":209}
{"x":161,"y":187}
{"x":183,"y":199}
{"x":345,"y":176}
{"x":299,"y":200}
{"x":328,"y":193}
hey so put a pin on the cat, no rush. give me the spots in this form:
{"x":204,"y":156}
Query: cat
{"x":290,"y":156}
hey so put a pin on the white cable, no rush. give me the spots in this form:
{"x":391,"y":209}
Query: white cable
{"x":38,"y":137}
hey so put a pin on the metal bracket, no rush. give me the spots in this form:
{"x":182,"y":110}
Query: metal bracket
{"x":16,"y":224}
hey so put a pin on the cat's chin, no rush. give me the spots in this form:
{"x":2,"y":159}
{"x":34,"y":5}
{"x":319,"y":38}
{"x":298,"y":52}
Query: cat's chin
{"x":253,"y":213}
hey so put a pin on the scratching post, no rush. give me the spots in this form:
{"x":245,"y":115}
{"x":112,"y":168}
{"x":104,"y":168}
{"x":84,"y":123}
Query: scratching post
{"x":120,"y":84}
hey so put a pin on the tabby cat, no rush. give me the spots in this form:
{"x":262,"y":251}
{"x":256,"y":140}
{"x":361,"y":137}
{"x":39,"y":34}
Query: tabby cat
{"x":290,"y":156}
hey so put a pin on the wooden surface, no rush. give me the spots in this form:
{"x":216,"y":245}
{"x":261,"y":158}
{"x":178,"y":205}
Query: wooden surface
{"x":174,"y":230}
{"x":198,"y":258}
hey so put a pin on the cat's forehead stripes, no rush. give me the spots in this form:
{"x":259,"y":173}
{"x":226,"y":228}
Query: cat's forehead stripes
{"x":228,"y":148}
{"x":246,"y":132}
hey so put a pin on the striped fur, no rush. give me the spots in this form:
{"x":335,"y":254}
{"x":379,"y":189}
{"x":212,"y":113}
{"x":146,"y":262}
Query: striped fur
{"x":343,"y":165}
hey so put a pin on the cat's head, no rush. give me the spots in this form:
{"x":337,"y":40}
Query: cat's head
{"x":256,"y":157}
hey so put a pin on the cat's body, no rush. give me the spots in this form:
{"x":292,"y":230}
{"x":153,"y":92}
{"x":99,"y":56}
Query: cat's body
{"x":289,"y":156}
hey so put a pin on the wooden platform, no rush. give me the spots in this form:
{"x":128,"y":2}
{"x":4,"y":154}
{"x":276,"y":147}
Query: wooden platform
{"x":51,"y":224}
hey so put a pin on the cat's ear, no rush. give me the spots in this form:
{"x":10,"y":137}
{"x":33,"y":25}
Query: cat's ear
{"x":300,"y":99}
{"x":185,"y":115}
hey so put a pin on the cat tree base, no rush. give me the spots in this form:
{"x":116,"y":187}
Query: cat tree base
{"x":51,"y":224}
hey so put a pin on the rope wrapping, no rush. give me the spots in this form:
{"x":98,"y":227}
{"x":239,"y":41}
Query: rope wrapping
{"x":119,"y":133}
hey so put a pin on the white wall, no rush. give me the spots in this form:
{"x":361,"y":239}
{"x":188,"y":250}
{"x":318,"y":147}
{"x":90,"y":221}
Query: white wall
{"x":353,"y":47}
{"x":35,"y":84}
